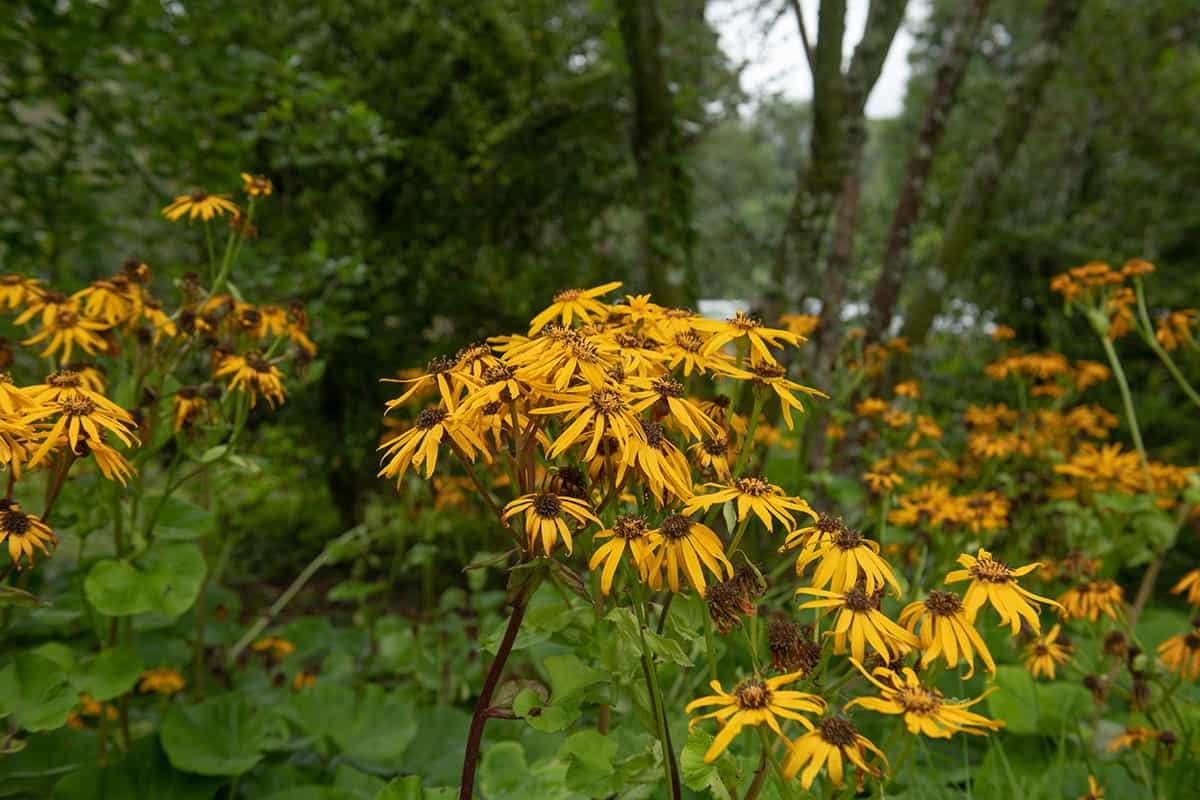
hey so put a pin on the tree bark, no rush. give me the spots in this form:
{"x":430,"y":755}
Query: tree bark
{"x":974,"y":200}
{"x":664,"y":190}
{"x":947,"y":79}
{"x":837,"y":136}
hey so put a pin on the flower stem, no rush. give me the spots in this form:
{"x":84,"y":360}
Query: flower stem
{"x":1127,"y":401}
{"x":1147,"y":331}
{"x":656,"y":701}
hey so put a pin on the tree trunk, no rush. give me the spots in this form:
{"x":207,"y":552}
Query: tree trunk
{"x":837,"y":137}
{"x":974,"y":200}
{"x":664,"y":190}
{"x":949,"y":75}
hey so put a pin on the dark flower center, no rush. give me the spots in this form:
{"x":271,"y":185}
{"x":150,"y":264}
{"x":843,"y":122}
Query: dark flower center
{"x":847,"y":538}
{"x":919,"y":700}
{"x":547,"y":505}
{"x":77,"y":406}
{"x":828,"y":525}
{"x":676,"y":527}
{"x":666,"y":387}
{"x":689,"y":340}
{"x":837,"y":731}
{"x":258,"y":363}
{"x":654,"y":434}
{"x":15,"y":521}
{"x":198,"y":196}
{"x":745,"y":323}
{"x":755,"y":487}
{"x":858,"y":600}
{"x":567,"y":295}
{"x":991,"y":571}
{"x":718,"y":446}
{"x":606,"y":402}
{"x":64,"y":380}
{"x":498,"y":373}
{"x":630,"y":526}
{"x":766,"y":371}
{"x":943,"y":604}
{"x":1192,"y":641}
{"x":440,"y":364}
{"x":429,"y":417}
{"x":752,"y":693}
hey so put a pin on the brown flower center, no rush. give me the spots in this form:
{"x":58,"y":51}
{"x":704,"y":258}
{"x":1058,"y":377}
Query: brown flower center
{"x":567,"y":295}
{"x":15,"y":521}
{"x":630,"y":526}
{"x":547,"y":505}
{"x":837,"y":731}
{"x":919,"y":700}
{"x":828,"y":525}
{"x":991,"y":571}
{"x":429,"y":417}
{"x":198,"y":196}
{"x":77,"y":406}
{"x":943,"y":604}
{"x":768,"y":372}
{"x":64,"y":380}
{"x":1192,"y":641}
{"x":654,"y":434}
{"x":755,"y":487}
{"x":606,"y":402}
{"x":858,"y":600}
{"x":847,"y":538}
{"x":745,"y":323}
{"x":752,"y":693}
{"x":666,"y":387}
{"x":258,"y":363}
{"x":676,"y":527}
{"x":66,"y":319}
{"x":498,"y":373}
{"x":718,"y":446}
{"x":440,"y":364}
{"x":689,"y":340}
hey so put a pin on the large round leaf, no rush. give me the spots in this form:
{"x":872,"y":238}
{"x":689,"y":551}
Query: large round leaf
{"x":145,"y":772}
{"x":166,"y":579}
{"x":221,"y":736}
{"x":35,"y":693}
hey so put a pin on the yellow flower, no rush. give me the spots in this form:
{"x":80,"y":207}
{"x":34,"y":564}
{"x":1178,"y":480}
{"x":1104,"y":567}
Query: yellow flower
{"x":766,"y":500}
{"x":303,"y":680}
{"x":712,"y":455}
{"x":1046,"y":653}
{"x":81,"y":417}
{"x":628,"y":531}
{"x":1181,"y":653}
{"x":834,"y":742}
{"x":572,"y":304}
{"x":112,"y":301}
{"x":871,"y":407}
{"x":684,"y":544}
{"x":17,"y":290}
{"x":1003,"y":333}
{"x":800,"y":324}
{"x":993,"y":582}
{"x":659,"y":461}
{"x":925,"y":710}
{"x":200,"y":204}
{"x":418,"y":445}
{"x":883,"y":482}
{"x":1189,"y":583}
{"x":1090,"y":599}
{"x":594,"y":413}
{"x":23,"y":532}
{"x":761,"y":339}
{"x":1095,"y":791}
{"x":862,"y":622}
{"x":162,"y":681}
{"x":753,"y":701}
{"x":910,"y":389}
{"x":772,"y":376}
{"x":67,"y":330}
{"x":187,"y":405}
{"x":544,"y":518}
{"x":666,"y":396}
{"x":687,"y":347}
{"x":253,"y":374}
{"x":256,"y":185}
{"x":945,"y":630}
{"x":1088,"y":374}
{"x":277,"y":646}
{"x":113,"y":465}
{"x":1134,"y":736}
{"x":846,"y":557}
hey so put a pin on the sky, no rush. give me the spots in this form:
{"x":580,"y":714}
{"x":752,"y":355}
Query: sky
{"x":775,"y":58}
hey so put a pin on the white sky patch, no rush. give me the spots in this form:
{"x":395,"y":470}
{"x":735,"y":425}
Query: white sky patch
{"x":774,"y":56}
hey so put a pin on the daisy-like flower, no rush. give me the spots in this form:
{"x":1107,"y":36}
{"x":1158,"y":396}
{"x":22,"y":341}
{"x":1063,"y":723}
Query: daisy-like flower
{"x":766,"y":500}
{"x":66,"y":330}
{"x":163,"y":680}
{"x":1181,"y":653}
{"x":17,"y":290}
{"x":200,"y":204}
{"x":255,"y":375}
{"x":926,"y":711}
{"x":545,"y":514}
{"x":660,"y":461}
{"x":772,"y":376}
{"x":24,"y":532}
{"x":1044,"y":654}
{"x":665,"y":394}
{"x":572,"y":304}
{"x":884,"y":481}
{"x":1134,"y":736}
{"x":993,"y":582}
{"x":112,"y":301}
{"x":81,"y":418}
{"x":712,"y":455}
{"x":832,"y":744}
{"x":845,"y":557}
{"x":754,"y":701}
{"x":257,"y":185}
{"x":418,"y":446}
{"x":1091,"y":599}
{"x":112,"y":465}
{"x":687,"y":347}
{"x":860,"y":621}
{"x":628,"y":531}
{"x":439,"y":373}
{"x":188,"y":404}
{"x":1189,"y":583}
{"x":594,"y":413}
{"x":761,"y":339}
{"x":684,"y":544}
{"x":946,"y":631}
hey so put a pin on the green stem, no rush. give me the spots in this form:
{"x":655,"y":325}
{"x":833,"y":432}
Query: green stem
{"x":1147,"y":331}
{"x":737,"y":536}
{"x":1127,"y":400}
{"x":657,"y":701}
{"x":710,"y":647}
{"x":748,"y":442}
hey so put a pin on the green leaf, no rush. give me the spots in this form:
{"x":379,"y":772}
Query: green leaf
{"x":589,"y":757}
{"x":1029,"y":707}
{"x":409,"y":788}
{"x":371,"y":726}
{"x":34,"y":691}
{"x":220,"y":736}
{"x":718,"y":778}
{"x":13,"y":597}
{"x":145,"y":772}
{"x":166,"y":580}
{"x":349,"y":591}
{"x":570,"y":676}
{"x":506,"y":775}
{"x":180,"y":519}
{"x":547,"y":718}
{"x":110,"y":674}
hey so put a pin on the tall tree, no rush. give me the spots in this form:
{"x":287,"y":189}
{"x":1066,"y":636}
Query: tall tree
{"x":955,"y":57}
{"x":664,"y":189}
{"x":839,"y":125}
{"x":974,"y":199}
